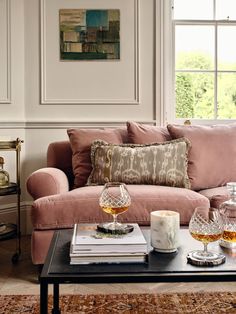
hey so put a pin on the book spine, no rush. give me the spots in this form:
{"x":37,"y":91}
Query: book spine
{"x":74,"y":235}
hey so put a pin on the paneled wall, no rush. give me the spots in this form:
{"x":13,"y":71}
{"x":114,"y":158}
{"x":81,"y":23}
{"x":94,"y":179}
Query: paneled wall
{"x":41,"y":96}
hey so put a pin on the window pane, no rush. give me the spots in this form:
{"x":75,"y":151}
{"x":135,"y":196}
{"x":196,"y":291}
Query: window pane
{"x":225,"y":9}
{"x":194,"y":47}
{"x":227,"y":96}
{"x":194,"y":95}
{"x":226,"y":47}
{"x":193,"y":9}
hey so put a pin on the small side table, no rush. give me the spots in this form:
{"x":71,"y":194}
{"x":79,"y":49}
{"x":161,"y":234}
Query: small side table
{"x":9,"y":230}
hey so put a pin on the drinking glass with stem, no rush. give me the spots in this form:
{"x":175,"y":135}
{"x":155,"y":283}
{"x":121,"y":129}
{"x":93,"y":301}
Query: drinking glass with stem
{"x":206,"y":225}
{"x":114,"y":200}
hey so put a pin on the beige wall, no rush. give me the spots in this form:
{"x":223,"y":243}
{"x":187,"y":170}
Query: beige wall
{"x":47,"y":96}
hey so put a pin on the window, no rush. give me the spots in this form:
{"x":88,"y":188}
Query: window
{"x":204,"y":53}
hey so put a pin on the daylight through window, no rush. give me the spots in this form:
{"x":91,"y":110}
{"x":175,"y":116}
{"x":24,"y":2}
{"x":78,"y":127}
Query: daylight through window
{"x":205,"y":58}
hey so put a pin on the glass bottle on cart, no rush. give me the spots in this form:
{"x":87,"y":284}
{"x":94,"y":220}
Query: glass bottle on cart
{"x":4,"y":175}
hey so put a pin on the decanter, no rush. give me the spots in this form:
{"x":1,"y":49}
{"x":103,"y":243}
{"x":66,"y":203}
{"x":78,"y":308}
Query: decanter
{"x":4,"y":176}
{"x":228,"y":212}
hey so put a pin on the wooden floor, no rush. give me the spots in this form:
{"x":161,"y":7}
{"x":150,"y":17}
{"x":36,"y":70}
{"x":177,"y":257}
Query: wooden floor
{"x":23,"y":278}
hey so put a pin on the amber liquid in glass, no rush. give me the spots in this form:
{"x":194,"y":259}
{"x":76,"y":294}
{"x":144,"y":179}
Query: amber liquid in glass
{"x":206,"y":238}
{"x":115,"y":210}
{"x":229,"y":236}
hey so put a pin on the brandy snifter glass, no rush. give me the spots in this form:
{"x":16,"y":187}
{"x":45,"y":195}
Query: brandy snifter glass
{"x":114,"y":200}
{"x":206,"y":226}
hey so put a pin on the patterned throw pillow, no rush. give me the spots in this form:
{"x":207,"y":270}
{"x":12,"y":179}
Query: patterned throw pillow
{"x":158,"y":164}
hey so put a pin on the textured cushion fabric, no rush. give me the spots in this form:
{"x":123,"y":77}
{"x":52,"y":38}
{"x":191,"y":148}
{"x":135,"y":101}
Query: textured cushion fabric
{"x":216,"y":196}
{"x":40,"y":242}
{"x":212,"y":156}
{"x":82,"y":205}
{"x":81,"y":140}
{"x":47,"y":181}
{"x":160,"y":163}
{"x":59,"y":155}
{"x":145,"y":134}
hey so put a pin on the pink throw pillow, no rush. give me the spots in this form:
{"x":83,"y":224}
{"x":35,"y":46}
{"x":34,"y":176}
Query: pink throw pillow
{"x":81,"y":140}
{"x":146,"y":134}
{"x":212,"y":156}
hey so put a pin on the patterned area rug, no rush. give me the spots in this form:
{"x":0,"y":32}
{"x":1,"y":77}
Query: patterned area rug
{"x":214,"y":303}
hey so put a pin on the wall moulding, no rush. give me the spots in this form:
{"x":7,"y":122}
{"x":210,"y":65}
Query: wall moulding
{"x":12,"y":125}
{"x":112,"y":81}
{"x":5,"y":56}
{"x":64,"y":125}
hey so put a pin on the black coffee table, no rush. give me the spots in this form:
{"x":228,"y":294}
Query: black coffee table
{"x":161,"y":267}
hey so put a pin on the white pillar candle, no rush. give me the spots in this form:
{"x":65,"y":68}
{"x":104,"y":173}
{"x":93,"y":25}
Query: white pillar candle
{"x":165,"y":225}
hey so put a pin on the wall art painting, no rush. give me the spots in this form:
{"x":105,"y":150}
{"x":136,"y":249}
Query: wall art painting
{"x":89,"y":34}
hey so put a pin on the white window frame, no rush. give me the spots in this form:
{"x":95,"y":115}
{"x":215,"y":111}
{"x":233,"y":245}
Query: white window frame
{"x":168,"y":65}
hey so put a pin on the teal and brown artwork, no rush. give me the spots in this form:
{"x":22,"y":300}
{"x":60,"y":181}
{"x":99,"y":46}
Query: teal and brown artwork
{"x":89,"y":34}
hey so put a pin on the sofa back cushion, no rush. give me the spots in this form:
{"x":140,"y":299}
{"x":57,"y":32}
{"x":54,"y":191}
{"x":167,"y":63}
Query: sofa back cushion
{"x":81,"y":140}
{"x":158,"y":164}
{"x":212,"y":156}
{"x":145,"y":134}
{"x":59,"y":155}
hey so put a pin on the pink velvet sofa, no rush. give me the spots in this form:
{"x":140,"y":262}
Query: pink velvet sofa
{"x":62,"y":198}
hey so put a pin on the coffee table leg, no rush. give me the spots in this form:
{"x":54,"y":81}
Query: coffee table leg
{"x":43,"y":298}
{"x":56,"y":309}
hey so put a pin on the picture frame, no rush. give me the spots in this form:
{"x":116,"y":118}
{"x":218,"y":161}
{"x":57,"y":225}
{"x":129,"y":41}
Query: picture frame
{"x":88,"y":34}
{"x":5,"y":55}
{"x":113,"y":81}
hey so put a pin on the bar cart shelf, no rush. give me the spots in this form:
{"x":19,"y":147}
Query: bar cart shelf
{"x":10,"y":230}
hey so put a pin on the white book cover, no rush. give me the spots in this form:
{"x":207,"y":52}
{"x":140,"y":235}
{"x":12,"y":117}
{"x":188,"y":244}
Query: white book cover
{"x":107,"y":259}
{"x":86,"y":238}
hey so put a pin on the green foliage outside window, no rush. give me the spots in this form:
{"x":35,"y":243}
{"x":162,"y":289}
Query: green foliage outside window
{"x":194,"y":91}
{"x":184,"y":96}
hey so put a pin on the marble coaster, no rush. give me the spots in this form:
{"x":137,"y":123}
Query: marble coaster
{"x":126,"y":229}
{"x":217,"y":260}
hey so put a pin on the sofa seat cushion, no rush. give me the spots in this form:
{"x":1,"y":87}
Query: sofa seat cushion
{"x":216,"y":196}
{"x":81,"y":205}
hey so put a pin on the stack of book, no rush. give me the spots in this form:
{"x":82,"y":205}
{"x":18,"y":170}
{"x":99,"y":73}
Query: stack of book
{"x":90,"y":246}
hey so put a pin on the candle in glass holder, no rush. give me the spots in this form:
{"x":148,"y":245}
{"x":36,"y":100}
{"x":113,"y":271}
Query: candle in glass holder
{"x":165,"y":225}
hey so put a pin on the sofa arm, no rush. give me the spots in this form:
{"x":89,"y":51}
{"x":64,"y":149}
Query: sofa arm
{"x":47,"y":181}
